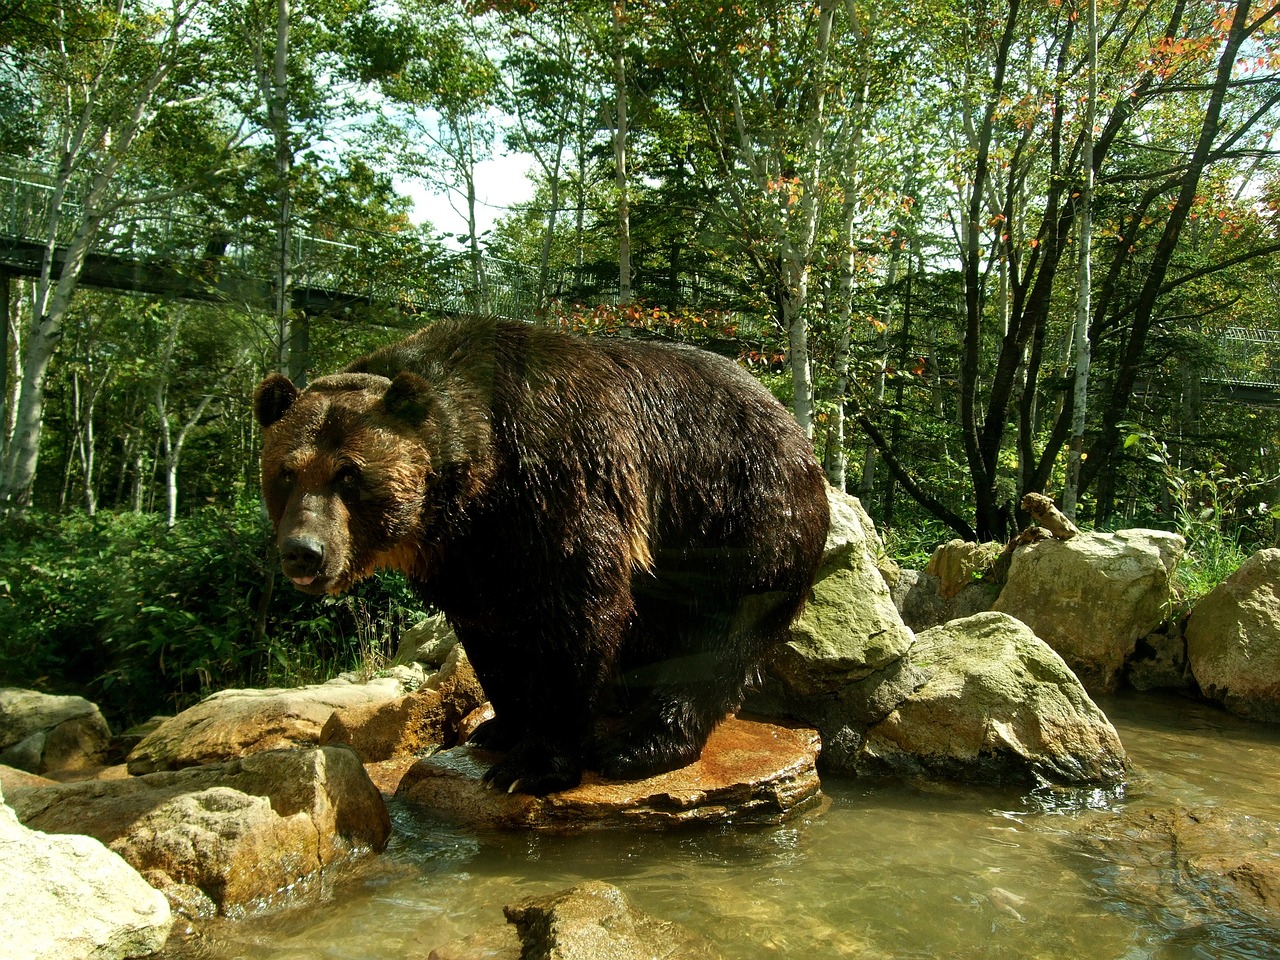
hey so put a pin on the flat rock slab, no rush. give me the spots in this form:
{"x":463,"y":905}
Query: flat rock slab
{"x":238,"y":723}
{"x":750,"y":772}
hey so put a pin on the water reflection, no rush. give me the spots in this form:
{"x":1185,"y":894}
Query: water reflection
{"x":890,"y":870}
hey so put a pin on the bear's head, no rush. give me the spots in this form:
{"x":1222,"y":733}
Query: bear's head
{"x":347,"y":473}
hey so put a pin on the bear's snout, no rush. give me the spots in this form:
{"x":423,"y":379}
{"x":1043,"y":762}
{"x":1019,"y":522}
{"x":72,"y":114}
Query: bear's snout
{"x":301,"y":557}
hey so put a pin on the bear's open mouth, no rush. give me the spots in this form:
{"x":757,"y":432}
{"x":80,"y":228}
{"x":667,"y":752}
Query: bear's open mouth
{"x":315,"y":584}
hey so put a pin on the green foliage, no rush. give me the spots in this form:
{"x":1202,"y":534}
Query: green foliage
{"x":144,"y":620}
{"x":1208,"y":509}
{"x":912,"y":544}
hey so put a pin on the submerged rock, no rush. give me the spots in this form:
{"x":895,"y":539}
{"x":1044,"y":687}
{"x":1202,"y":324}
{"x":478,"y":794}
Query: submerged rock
{"x":1092,"y":597}
{"x":749,"y":772}
{"x":45,"y":734}
{"x":224,"y":837}
{"x":1233,"y":639}
{"x":1191,"y":863}
{"x":998,"y":706}
{"x":592,"y":921}
{"x":69,"y":897}
{"x":238,"y":723}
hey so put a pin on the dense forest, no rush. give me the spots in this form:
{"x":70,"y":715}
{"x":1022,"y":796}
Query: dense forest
{"x":979,"y":248}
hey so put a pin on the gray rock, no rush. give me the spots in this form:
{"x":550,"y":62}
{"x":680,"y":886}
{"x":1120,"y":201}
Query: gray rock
{"x":43,"y":734}
{"x":429,"y":642}
{"x":1159,"y":661}
{"x":225,"y":837}
{"x":1092,"y":597}
{"x":918,"y":597}
{"x":69,"y":897}
{"x":850,"y":627}
{"x":998,"y":706}
{"x":1233,"y":639}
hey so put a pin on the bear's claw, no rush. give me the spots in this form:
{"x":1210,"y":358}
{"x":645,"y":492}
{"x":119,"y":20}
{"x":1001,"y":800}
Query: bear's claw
{"x":535,"y":769}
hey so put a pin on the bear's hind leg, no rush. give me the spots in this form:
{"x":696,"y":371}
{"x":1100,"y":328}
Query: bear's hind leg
{"x":670,"y":726}
{"x":713,"y":649}
{"x":542,"y":708}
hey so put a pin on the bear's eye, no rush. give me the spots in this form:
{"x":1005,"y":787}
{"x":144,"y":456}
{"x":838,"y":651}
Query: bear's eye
{"x":347,"y":479}
{"x":286,"y":476}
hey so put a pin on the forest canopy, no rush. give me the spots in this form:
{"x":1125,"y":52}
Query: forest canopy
{"x":980,"y":248}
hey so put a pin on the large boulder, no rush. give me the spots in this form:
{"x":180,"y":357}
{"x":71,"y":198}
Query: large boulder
{"x":414,"y":724}
{"x":749,"y":772}
{"x":238,"y":723}
{"x":70,"y":898}
{"x":918,"y":597}
{"x":592,"y":921}
{"x":1094,"y":596}
{"x":850,"y":628}
{"x":225,"y":837}
{"x":46,"y":734}
{"x":998,"y":706}
{"x":1233,"y":639}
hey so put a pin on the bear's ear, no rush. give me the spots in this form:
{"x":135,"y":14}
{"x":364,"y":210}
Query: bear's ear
{"x":408,"y":398}
{"x":273,"y":398}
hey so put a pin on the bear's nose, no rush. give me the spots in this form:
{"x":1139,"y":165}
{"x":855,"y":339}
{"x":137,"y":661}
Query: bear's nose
{"x":301,"y":557}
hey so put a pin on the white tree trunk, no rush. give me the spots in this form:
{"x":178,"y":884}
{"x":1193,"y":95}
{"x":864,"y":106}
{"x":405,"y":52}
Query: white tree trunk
{"x":619,"y":8}
{"x":83,"y":136}
{"x":1075,"y":450}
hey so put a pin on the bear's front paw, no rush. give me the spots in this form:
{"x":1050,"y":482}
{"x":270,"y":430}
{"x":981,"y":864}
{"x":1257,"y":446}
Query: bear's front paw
{"x":536,"y":768}
{"x":494,"y":734}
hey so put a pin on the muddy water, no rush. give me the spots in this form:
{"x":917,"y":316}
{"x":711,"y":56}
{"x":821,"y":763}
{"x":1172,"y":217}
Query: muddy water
{"x":887,"y":871}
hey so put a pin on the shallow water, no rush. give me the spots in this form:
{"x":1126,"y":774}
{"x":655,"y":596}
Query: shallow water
{"x":886,"y":871}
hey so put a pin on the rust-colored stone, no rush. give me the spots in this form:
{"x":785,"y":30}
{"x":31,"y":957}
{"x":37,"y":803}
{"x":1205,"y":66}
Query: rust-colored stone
{"x":749,"y":772}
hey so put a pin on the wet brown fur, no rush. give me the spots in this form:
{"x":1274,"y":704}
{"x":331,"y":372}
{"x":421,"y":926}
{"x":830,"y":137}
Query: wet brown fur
{"x":600,"y":520}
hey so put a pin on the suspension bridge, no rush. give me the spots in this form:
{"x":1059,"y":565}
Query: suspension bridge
{"x":157,"y":250}
{"x":162,"y":252}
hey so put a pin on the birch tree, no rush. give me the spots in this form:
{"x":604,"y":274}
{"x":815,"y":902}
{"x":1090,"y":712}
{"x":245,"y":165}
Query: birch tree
{"x":766,"y":117}
{"x":97,"y":82}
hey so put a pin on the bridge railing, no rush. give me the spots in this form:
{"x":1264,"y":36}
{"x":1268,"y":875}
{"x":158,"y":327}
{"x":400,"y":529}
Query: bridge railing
{"x":1248,"y":356}
{"x":368,"y":266}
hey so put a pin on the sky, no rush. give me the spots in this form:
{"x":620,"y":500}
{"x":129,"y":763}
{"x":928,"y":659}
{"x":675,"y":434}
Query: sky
{"x":500,"y":183}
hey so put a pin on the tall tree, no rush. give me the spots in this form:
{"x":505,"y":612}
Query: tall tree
{"x":758,"y":77}
{"x":98,"y":80}
{"x":1016,"y":86}
{"x":1084,"y":252}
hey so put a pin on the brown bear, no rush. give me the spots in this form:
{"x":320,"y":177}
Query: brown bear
{"x":617,"y":530}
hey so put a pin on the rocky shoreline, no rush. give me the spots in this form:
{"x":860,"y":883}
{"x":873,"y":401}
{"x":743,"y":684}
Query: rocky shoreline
{"x":978,"y":669}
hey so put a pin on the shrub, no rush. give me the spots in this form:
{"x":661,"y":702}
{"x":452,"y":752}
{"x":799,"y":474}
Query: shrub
{"x":143,"y":619}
